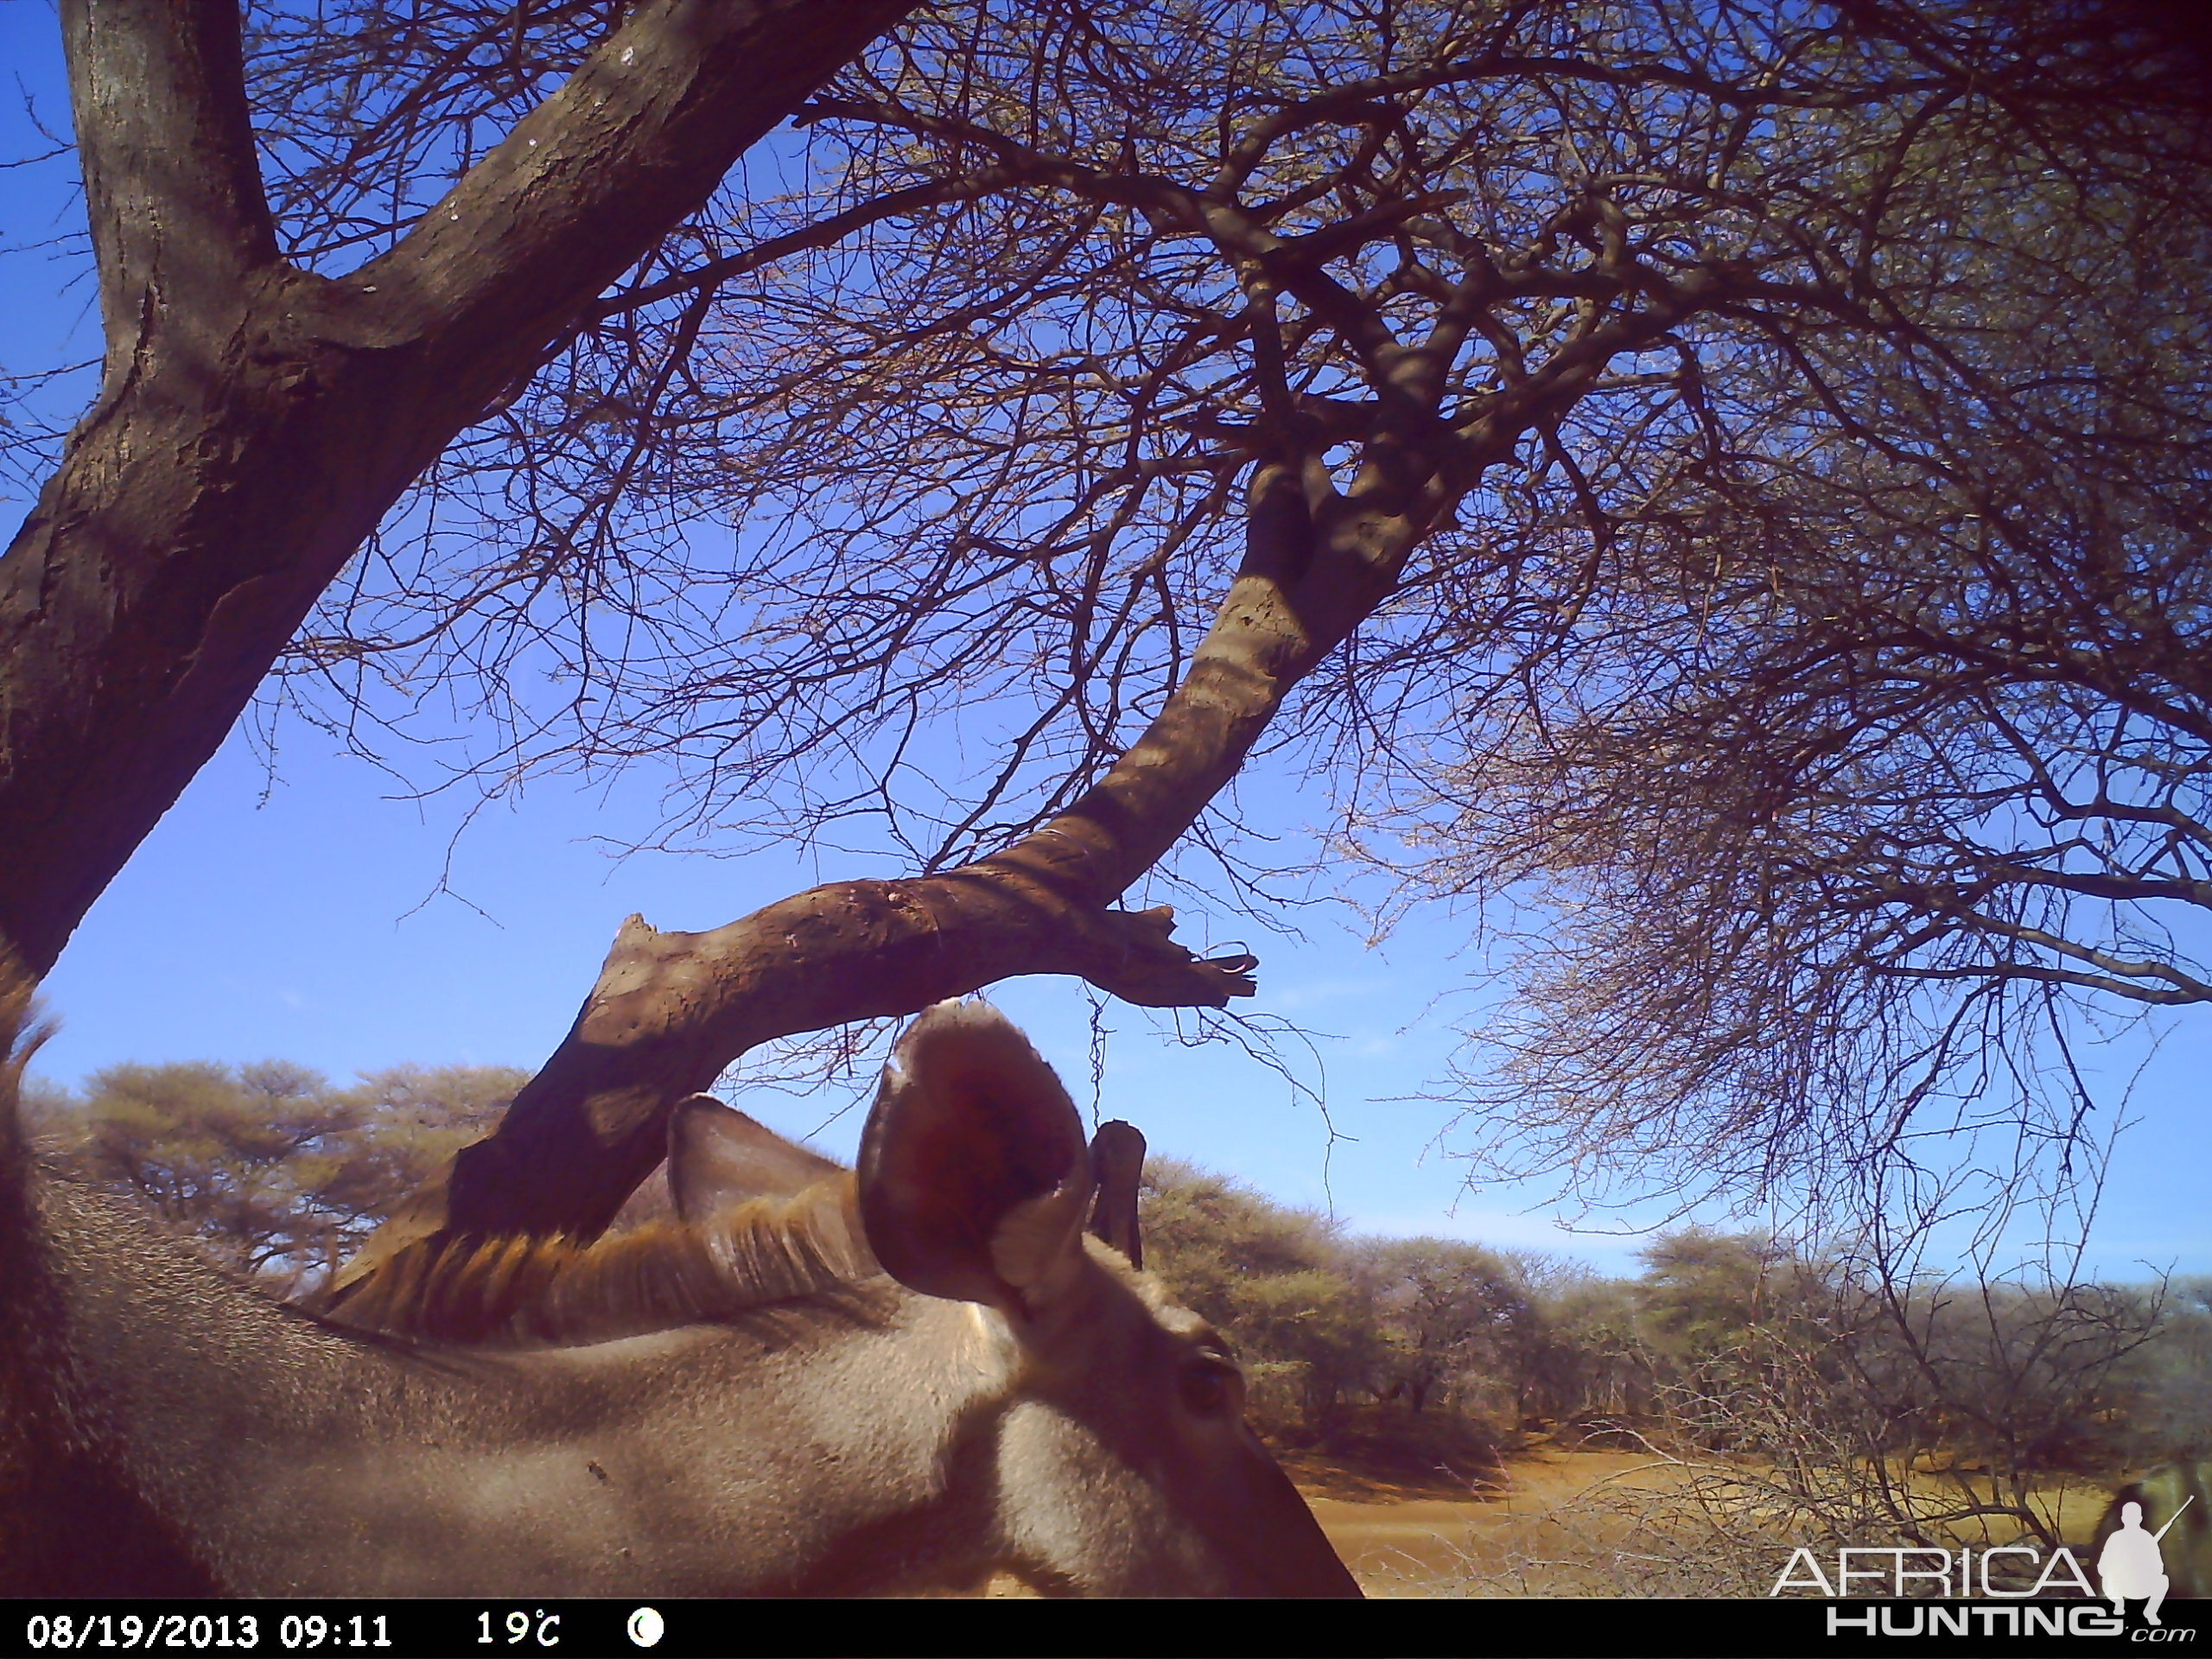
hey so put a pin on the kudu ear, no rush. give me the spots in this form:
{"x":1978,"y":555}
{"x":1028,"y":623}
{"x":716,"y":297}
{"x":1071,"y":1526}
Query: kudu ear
{"x":1117,"y":1165}
{"x":974,"y":1177}
{"x":717,"y":1156}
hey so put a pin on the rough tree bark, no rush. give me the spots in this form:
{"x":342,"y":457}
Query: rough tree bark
{"x":255,"y":421}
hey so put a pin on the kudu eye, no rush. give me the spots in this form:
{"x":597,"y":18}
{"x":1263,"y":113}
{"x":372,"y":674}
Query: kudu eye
{"x":1209,"y":1386}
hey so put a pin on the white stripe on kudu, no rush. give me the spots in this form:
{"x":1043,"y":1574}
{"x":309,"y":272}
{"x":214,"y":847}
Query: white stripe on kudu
{"x":736,"y":1400}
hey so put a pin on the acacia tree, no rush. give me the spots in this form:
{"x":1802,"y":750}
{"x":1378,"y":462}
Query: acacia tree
{"x":1108,"y":366}
{"x":280,"y":1174}
{"x":1448,"y":1313}
{"x":1880,"y":755}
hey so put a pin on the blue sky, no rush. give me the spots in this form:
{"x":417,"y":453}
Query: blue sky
{"x":299,"y":905}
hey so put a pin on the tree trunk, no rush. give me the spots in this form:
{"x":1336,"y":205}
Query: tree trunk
{"x":255,"y":421}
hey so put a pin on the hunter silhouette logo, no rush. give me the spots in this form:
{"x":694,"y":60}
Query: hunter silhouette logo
{"x":2131,"y":1567}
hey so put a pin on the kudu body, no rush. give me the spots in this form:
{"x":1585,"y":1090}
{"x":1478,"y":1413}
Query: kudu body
{"x":1003,"y":1395}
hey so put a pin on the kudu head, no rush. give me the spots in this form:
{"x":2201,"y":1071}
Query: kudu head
{"x":1122,"y":1461}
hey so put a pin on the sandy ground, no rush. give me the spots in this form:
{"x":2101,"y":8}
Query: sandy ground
{"x":1471,"y":1536}
{"x":1548,"y":1522}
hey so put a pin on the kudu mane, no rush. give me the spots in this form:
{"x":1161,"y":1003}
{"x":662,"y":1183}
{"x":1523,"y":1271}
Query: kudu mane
{"x":668,"y":1271}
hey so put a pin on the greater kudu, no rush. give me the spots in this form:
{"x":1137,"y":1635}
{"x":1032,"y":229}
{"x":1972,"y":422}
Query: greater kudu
{"x":1003,"y":1394}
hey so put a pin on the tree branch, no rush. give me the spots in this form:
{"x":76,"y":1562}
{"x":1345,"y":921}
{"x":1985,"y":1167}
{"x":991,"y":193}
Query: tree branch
{"x":172,"y":186}
{"x":589,"y":180}
{"x":258,"y":421}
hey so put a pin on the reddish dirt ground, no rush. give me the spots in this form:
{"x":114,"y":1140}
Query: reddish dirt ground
{"x":1451,"y":1535}
{"x":1544,"y":1522}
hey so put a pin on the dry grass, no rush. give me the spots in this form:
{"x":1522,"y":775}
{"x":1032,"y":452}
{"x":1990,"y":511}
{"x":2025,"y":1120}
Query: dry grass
{"x":1554,"y":1523}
